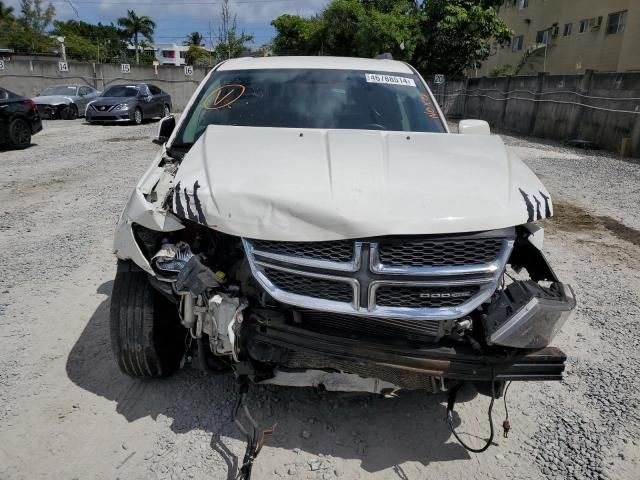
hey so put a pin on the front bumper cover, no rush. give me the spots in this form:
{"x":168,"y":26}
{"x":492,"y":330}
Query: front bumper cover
{"x":455,"y":361}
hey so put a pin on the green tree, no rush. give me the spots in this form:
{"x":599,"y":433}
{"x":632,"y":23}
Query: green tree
{"x":35,"y":17}
{"x":231,"y":44}
{"x":197,"y":55}
{"x":501,"y":71}
{"x":6,"y":13}
{"x":438,"y":36}
{"x":456,"y":35}
{"x":297,"y":35}
{"x":89,"y":42}
{"x":351,"y":28}
{"x":27,"y":33}
{"x":194,"y":39}
{"x":388,"y":27}
{"x":134,"y":27}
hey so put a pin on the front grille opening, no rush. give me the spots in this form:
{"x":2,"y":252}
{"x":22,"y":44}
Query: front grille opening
{"x":424,"y":297}
{"x":338,"y":251}
{"x":449,"y":252}
{"x":336,"y":291}
{"x":423,"y":330}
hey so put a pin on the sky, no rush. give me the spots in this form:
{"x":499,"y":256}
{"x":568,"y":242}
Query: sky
{"x":175,"y":19}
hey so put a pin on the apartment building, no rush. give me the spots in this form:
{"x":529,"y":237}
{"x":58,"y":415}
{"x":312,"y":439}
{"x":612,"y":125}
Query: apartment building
{"x":171,"y":53}
{"x":567,"y":37}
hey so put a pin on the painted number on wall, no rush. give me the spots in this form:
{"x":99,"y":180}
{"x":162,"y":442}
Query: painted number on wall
{"x":1,"y":64}
{"x":63,"y":67}
{"x":125,"y":68}
{"x":438,"y":79}
{"x":188,"y":70}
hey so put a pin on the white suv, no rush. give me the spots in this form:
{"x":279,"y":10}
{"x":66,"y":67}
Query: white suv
{"x":312,"y":221}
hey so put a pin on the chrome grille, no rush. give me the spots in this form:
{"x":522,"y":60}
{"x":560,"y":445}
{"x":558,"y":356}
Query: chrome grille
{"x":426,"y":278}
{"x":338,"y":251}
{"x":338,"y":291}
{"x":438,"y":253}
{"x":414,"y":296}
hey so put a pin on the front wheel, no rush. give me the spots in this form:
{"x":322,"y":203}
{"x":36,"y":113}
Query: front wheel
{"x":19,"y":134}
{"x":69,"y":113}
{"x":137,"y":116}
{"x":147,"y":338}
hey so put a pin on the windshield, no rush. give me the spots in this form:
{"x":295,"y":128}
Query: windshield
{"x":332,"y":99}
{"x":62,"y":90}
{"x":121,"y":91}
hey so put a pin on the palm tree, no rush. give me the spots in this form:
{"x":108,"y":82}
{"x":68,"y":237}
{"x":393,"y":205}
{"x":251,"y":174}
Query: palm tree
{"x":194,"y":39}
{"x":134,"y":26}
{"x":6,"y":13}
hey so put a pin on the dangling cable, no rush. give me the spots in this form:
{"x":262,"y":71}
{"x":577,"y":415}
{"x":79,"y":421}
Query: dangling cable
{"x":450,"y":404}
{"x":506,"y":425}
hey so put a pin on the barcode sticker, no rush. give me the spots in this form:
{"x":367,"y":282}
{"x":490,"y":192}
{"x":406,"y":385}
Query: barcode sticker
{"x":389,"y":80}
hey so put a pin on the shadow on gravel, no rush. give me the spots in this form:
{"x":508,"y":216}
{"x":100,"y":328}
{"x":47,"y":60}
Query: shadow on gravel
{"x":381,"y":433}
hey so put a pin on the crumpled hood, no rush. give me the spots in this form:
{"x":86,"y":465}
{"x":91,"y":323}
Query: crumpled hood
{"x":53,"y":100}
{"x":313,"y":184}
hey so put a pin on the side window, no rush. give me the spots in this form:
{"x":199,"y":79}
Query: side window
{"x":84,"y":91}
{"x":144,"y":90}
{"x":154,"y":90}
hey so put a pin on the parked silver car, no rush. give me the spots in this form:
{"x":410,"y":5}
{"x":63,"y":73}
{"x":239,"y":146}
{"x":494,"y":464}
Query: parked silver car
{"x":66,"y":102}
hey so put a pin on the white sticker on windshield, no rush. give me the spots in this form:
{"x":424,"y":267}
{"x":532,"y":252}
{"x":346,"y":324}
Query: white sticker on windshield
{"x":389,"y":80}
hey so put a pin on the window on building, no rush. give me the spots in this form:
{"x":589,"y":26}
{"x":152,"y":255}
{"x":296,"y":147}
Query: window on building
{"x":567,"y":29}
{"x":543,"y":37}
{"x":169,"y":53}
{"x":585,"y":25}
{"x":615,"y":23}
{"x":517,"y":43}
{"x":522,"y":4}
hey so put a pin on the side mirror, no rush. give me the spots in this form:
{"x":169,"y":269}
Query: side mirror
{"x":165,"y":129}
{"x":474,"y":127}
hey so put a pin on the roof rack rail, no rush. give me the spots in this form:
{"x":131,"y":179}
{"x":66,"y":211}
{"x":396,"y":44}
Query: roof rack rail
{"x":384,"y":56}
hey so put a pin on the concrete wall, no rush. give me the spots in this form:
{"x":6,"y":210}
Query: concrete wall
{"x":30,"y":77}
{"x":602,"y":108}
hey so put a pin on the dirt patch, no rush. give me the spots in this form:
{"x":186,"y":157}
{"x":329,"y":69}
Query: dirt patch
{"x":572,"y":218}
{"x":620,"y":230}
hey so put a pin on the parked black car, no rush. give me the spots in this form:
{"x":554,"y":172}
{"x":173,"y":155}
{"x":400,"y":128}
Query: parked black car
{"x":19,"y":119}
{"x":131,"y":102}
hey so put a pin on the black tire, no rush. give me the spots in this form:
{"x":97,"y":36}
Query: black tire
{"x":137,"y":116}
{"x":72,"y":112}
{"x":19,"y":134}
{"x":147,"y":338}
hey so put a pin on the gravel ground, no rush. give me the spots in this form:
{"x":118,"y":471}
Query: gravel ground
{"x":67,"y":412}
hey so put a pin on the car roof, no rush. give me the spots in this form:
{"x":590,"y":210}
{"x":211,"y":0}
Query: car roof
{"x":329,"y":63}
{"x":128,"y":84}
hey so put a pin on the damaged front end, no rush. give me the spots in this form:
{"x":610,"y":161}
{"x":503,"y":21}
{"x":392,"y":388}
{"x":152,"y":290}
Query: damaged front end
{"x":377,"y":314}
{"x":362,"y":313}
